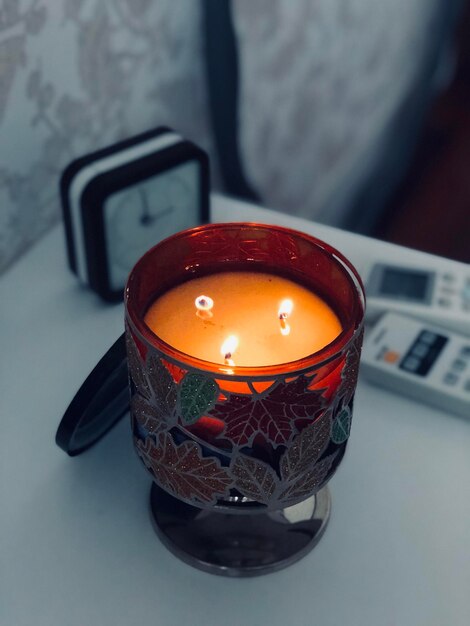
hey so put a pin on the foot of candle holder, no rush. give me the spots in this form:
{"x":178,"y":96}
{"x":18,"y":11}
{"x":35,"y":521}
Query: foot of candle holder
{"x":228,"y":544}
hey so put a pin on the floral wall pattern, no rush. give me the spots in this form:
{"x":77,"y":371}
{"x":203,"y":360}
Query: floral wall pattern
{"x":76,"y":75}
{"x":319,"y":82}
{"x":317,"y":95}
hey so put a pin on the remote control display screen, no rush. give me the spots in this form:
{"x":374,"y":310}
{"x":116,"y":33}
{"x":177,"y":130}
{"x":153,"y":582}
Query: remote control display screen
{"x":404,"y":284}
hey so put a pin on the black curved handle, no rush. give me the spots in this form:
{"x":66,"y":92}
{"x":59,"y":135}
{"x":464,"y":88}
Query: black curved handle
{"x":99,"y":404}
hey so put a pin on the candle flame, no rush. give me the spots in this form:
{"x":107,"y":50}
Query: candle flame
{"x":204,"y":305}
{"x":228,"y":348}
{"x":285,"y":309}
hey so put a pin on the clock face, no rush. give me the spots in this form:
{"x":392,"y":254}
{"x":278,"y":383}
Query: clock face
{"x":139,"y":216}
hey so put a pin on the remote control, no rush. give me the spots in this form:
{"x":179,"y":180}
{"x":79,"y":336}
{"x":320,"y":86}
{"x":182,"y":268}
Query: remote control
{"x":435,"y":295}
{"x":414,"y":358}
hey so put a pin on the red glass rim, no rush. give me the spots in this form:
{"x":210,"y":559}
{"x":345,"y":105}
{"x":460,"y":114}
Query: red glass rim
{"x":135,"y":314}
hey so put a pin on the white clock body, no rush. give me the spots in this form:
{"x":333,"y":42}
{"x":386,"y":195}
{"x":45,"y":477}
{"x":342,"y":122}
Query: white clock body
{"x":141,"y":215}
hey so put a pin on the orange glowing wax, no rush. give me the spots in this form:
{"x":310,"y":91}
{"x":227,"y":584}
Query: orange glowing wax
{"x":273,"y":319}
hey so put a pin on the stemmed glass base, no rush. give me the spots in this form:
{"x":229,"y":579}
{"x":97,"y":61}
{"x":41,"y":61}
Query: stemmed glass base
{"x":221,"y":542}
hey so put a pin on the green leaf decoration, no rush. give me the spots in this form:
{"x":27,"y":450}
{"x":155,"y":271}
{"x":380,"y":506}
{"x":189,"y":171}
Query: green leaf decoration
{"x":341,"y":426}
{"x":197,"y":394}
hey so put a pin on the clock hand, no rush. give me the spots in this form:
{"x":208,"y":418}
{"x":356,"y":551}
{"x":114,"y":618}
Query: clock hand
{"x":145,"y":218}
{"x":163,"y":212}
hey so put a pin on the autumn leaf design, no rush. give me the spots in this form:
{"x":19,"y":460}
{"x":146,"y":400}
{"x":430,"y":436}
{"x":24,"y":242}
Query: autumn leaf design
{"x":306,"y":448}
{"x":147,"y":415}
{"x":136,"y":368}
{"x":161,"y":384}
{"x":182,"y":470}
{"x":235,"y":245}
{"x":350,"y":371}
{"x":197,"y":395}
{"x":309,"y":482}
{"x":272,"y":413}
{"x":154,"y":404}
{"x":254,"y":479}
{"x":275,"y":414}
{"x":301,"y":471}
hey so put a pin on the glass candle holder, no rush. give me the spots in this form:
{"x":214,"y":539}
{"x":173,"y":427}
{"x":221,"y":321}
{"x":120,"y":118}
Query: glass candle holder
{"x":240,"y":455}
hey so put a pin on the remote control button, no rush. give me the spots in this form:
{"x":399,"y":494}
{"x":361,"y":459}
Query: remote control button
{"x":411,"y":364}
{"x":390,"y":356}
{"x":459,"y":365}
{"x":465,"y":352}
{"x":428,"y":337}
{"x":420,"y":350}
{"x":467,"y":385}
{"x":448,"y":277}
{"x":450,"y":378}
{"x":448,"y":291}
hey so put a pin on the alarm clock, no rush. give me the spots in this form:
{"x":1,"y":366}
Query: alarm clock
{"x":120,"y":201}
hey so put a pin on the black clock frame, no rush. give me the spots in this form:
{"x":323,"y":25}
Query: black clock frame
{"x":117,"y":179}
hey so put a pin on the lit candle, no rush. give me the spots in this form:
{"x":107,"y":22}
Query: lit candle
{"x":228,"y":348}
{"x":248,"y":308}
{"x":284,"y":311}
{"x":254,"y":400}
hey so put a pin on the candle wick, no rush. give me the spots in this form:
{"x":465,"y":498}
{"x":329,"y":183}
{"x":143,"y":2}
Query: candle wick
{"x":204,"y":305}
{"x":228,"y":359}
{"x":283,"y":323}
{"x":228,"y":348}
{"x":285,"y":327}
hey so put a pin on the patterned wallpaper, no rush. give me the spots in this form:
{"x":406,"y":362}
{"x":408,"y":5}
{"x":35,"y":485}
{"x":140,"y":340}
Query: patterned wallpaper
{"x":317,"y":95}
{"x":76,"y":75}
{"x":320,"y":80}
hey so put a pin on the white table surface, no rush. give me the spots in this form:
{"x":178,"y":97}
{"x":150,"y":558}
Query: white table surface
{"x":76,"y":542}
